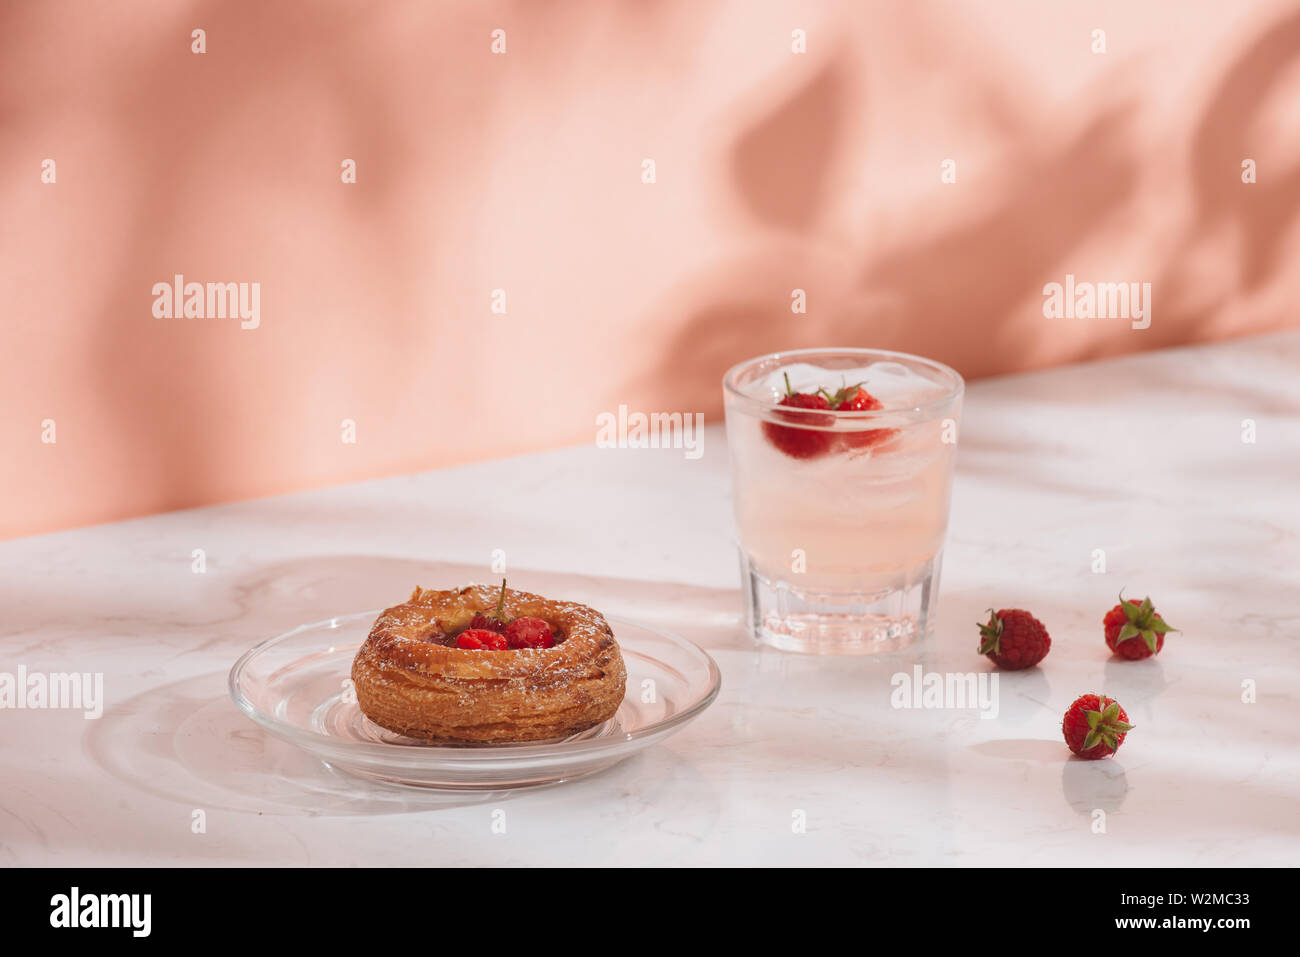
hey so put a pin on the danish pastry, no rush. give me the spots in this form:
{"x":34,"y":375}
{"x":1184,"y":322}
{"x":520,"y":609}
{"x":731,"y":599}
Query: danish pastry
{"x":478,"y":665}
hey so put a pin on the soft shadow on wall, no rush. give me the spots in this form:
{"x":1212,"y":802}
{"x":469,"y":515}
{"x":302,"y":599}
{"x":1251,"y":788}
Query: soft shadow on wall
{"x":965,"y":284}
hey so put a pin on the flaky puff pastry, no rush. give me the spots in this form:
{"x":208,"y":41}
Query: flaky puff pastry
{"x":416,"y":687}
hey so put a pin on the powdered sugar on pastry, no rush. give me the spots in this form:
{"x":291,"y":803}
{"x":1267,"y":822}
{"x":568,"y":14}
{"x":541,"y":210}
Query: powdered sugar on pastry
{"x":410,"y":683}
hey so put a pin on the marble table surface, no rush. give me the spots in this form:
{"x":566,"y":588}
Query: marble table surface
{"x":800,"y":761}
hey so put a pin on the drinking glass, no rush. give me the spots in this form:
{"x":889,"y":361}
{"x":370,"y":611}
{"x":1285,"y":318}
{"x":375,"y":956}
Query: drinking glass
{"x":841,"y":515}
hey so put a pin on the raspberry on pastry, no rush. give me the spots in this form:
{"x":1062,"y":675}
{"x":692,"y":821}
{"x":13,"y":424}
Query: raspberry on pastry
{"x":476,"y":638}
{"x":529,"y":633}
{"x":553,"y":669}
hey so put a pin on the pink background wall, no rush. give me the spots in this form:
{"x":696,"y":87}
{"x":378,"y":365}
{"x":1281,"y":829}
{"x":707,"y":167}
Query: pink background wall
{"x":522,"y":172}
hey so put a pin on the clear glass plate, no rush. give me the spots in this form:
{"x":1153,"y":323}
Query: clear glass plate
{"x":294,"y":685}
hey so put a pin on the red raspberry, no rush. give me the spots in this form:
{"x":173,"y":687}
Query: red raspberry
{"x":476,"y":639}
{"x":801,"y":443}
{"x":1014,"y":639}
{"x":529,"y":633}
{"x":1095,"y":727}
{"x":1134,"y":630}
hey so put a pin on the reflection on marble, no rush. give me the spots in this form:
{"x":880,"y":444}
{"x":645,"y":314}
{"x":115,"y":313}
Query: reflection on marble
{"x":1091,"y":786}
{"x":801,"y":760}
